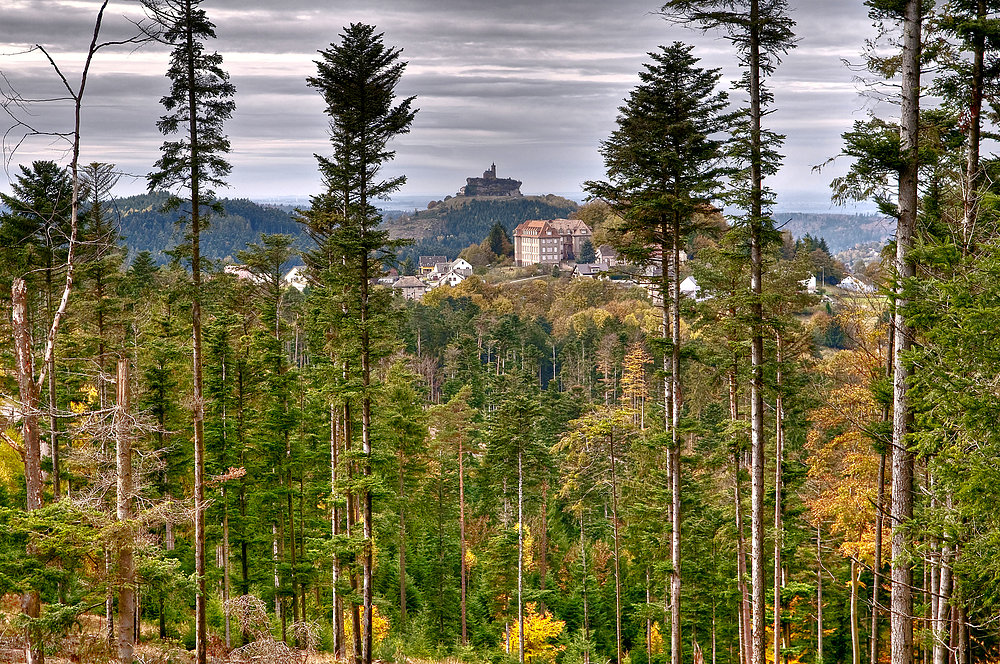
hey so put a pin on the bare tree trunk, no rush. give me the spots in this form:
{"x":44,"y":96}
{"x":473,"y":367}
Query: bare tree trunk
{"x":675,"y":446}
{"x":942,"y":622}
{"x":54,"y":428}
{"x":901,"y":510}
{"x":618,"y":583}
{"x":855,"y":637}
{"x":402,"y":544}
{"x":520,"y":556}
{"x":31,"y":438}
{"x":336,"y":602}
{"x":227,"y":588}
{"x":741,"y":557}
{"x":586,"y":606}
{"x":779,"y":451}
{"x":758,"y":629}
{"x":877,"y":565}
{"x":970,"y":197}
{"x":819,"y":594}
{"x":543,"y":557}
{"x":461,"y":533}
{"x":126,"y":566}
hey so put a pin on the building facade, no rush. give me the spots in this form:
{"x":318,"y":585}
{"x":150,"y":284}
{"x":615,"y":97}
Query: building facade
{"x":536,"y":242}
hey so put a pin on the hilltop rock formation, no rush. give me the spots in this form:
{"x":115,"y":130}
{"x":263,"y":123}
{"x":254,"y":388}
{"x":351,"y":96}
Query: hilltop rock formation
{"x":490,"y":185}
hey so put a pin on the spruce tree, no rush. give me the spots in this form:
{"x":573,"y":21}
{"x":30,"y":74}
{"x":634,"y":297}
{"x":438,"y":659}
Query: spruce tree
{"x":665,"y":165}
{"x":357,"y":79}
{"x":199,"y":102}
{"x":761,"y":31}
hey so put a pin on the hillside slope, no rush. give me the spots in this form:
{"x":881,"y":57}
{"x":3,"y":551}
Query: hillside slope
{"x":146,"y":227}
{"x":841,"y":231}
{"x":450,"y":226}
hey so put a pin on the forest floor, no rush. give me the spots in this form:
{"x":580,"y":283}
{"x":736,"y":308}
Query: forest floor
{"x":88,"y":644}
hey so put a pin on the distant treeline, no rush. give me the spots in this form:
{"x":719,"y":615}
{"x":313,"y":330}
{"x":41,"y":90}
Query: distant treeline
{"x":841,"y":231}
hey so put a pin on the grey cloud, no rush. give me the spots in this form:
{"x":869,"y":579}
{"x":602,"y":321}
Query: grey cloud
{"x":533,"y":85}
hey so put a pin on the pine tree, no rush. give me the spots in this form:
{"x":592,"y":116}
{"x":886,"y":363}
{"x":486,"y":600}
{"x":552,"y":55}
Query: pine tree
{"x":357,"y":79}
{"x":199,"y":102}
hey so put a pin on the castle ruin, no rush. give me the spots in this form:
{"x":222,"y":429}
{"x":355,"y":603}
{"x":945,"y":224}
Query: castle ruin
{"x":490,"y":185}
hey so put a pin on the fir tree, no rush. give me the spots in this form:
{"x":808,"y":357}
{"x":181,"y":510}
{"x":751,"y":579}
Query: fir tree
{"x":665,"y":165}
{"x":357,"y":79}
{"x":198,"y":104}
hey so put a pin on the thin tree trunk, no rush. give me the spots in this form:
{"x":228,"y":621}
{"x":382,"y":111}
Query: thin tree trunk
{"x":586,"y":606}
{"x":402,"y":544}
{"x":649,"y":619}
{"x":779,"y":451}
{"x":520,"y":556}
{"x":31,"y":438}
{"x":54,"y":429}
{"x":198,"y":405}
{"x":336,"y":601}
{"x":943,"y":607}
{"x":901,"y":510}
{"x":757,"y":650}
{"x":618,"y":583}
{"x":741,"y":558}
{"x":543,"y":557}
{"x":366,"y":448}
{"x":126,"y":566}
{"x":819,"y":594}
{"x":877,"y":565}
{"x":461,"y":533}
{"x":855,"y":637}
{"x":970,"y":198}
{"x":227,"y":588}
{"x":675,"y":445}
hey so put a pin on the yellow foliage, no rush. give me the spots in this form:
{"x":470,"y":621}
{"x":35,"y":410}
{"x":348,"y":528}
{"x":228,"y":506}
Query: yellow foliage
{"x":380,"y":625}
{"x":538,"y":629}
{"x":843,"y":466}
{"x":11,"y":466}
{"x":656,"y":639}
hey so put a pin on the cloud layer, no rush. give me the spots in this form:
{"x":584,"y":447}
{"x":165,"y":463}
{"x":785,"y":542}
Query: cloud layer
{"x":533,"y":86}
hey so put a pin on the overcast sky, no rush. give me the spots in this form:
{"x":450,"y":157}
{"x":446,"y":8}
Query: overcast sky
{"x":532,"y":85}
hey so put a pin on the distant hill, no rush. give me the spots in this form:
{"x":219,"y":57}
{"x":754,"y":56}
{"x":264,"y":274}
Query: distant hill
{"x":841,"y":231}
{"x":450,"y":226}
{"x":145,"y":227}
{"x":447,"y":227}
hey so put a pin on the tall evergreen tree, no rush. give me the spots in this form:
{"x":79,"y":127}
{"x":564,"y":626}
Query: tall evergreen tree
{"x":665,"y":165}
{"x":357,"y":79}
{"x":199,"y":102}
{"x":761,"y":30}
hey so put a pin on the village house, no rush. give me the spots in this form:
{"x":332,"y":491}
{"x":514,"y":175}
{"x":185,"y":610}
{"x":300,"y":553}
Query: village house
{"x":296,"y":278}
{"x":607,"y":255}
{"x":589,"y":270}
{"x":428,"y":263}
{"x":410,"y":288}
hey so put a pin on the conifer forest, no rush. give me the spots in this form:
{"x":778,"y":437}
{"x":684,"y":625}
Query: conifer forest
{"x":731,"y":448}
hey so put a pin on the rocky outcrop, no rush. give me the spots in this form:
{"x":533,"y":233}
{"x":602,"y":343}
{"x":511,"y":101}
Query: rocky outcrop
{"x":491,"y":185}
